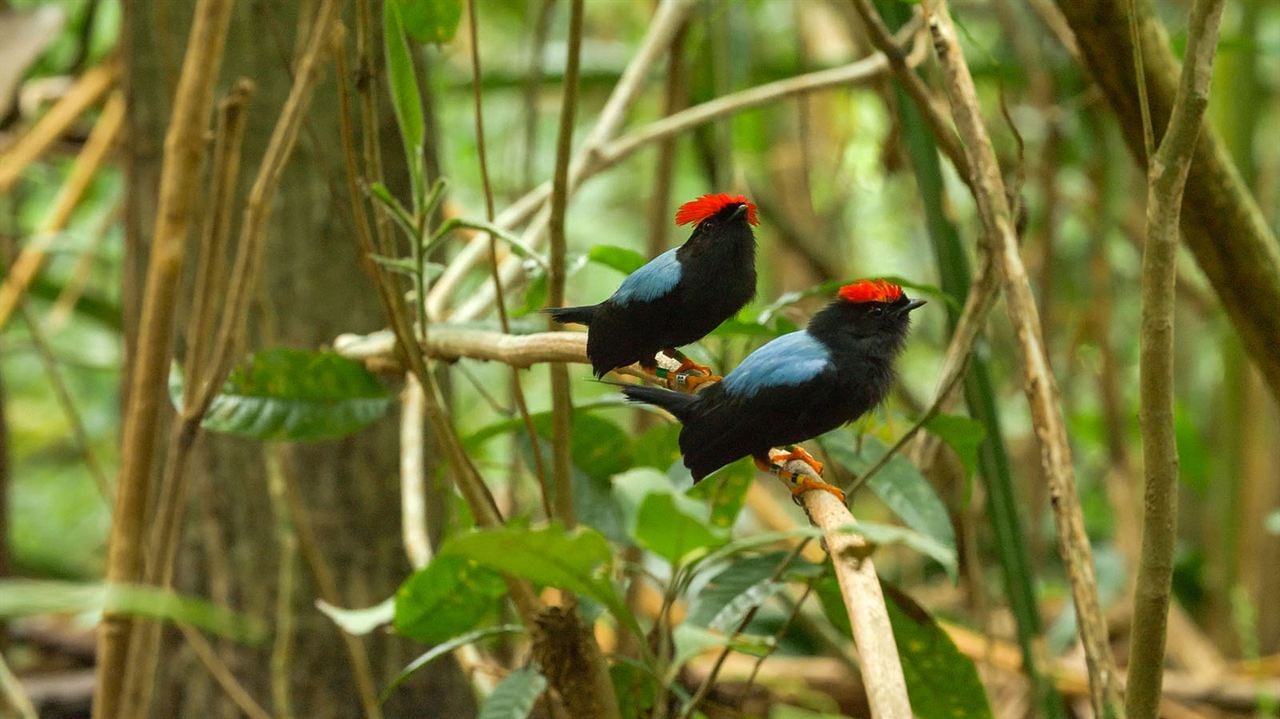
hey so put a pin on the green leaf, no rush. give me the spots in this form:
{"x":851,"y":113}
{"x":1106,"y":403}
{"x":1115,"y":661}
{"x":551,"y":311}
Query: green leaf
{"x":621,"y":259}
{"x":692,"y":640}
{"x":898,"y":484}
{"x":297,"y":395}
{"x":405,"y":99}
{"x":434,"y":21}
{"x":824,"y":289}
{"x":877,"y":533}
{"x":446,"y":648}
{"x":394,"y":210}
{"x":671,"y":532}
{"x":535,"y":293}
{"x":964,"y":436}
{"x":635,"y":688}
{"x":512,"y":240}
{"x":358,"y":622}
{"x":658,"y":447}
{"x":27,"y":597}
{"x":450,"y":595}
{"x":577,"y":560}
{"x":942,"y":683}
{"x":828,"y":590}
{"x":732,"y":582}
{"x":515,"y":695}
{"x":726,"y":491}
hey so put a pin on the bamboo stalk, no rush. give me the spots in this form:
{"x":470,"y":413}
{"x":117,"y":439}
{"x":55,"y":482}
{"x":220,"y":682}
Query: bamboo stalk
{"x":179,"y":180}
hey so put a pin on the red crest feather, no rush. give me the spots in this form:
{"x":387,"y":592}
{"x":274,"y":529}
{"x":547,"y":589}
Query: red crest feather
{"x":695,"y":211}
{"x":871,"y":291}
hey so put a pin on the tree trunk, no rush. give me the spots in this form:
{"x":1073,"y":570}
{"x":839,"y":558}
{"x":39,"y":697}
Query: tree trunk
{"x":311,"y":290}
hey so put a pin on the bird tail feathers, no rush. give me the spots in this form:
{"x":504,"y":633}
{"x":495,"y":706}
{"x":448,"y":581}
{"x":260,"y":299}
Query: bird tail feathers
{"x":572,"y":315}
{"x":677,"y":403}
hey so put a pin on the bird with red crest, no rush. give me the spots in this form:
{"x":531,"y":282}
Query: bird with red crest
{"x":796,"y":387}
{"x":678,"y":297}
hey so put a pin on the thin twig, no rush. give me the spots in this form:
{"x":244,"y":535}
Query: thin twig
{"x":66,"y":401}
{"x":221,"y":674}
{"x":517,"y":391}
{"x":1140,"y":73}
{"x":91,"y":158}
{"x":14,"y":696}
{"x":80,"y":97}
{"x":179,"y":180}
{"x":1166,"y":180}
{"x":287,"y":541}
{"x":561,"y":401}
{"x":1001,"y":242}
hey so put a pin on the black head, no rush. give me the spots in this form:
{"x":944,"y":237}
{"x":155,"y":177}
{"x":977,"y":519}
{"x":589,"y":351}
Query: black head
{"x":719,"y":216}
{"x":866,"y":310}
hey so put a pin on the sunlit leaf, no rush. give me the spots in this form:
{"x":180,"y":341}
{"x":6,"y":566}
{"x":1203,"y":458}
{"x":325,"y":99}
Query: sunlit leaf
{"x":672,"y":532}
{"x":358,"y":622}
{"x":434,"y":21}
{"x":450,"y":595}
{"x":515,"y":695}
{"x":726,"y":491}
{"x":574,"y":560}
{"x":898,"y":484}
{"x":297,"y":395}
{"x":621,"y":259}
{"x":27,"y":597}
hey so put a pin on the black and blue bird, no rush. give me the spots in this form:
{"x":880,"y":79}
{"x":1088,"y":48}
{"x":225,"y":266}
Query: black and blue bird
{"x":796,"y":387}
{"x":680,"y":296}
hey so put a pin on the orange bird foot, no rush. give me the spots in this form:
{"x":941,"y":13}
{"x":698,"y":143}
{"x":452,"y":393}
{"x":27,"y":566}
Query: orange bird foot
{"x":807,"y":483}
{"x":690,"y":381}
{"x":800,"y":453}
{"x":687,"y":364}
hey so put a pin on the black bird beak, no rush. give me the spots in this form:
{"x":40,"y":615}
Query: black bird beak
{"x":742,"y":210}
{"x":913,"y":304}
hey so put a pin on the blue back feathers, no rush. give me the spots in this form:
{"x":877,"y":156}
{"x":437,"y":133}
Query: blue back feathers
{"x":658,"y":277}
{"x":790,"y":360}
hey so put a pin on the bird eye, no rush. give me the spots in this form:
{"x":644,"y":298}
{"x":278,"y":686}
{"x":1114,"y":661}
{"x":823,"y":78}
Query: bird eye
{"x":876,"y":310}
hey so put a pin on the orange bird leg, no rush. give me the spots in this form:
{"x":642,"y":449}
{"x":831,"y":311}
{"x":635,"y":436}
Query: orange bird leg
{"x":686,"y":364}
{"x":795,"y":451}
{"x":800,"y":483}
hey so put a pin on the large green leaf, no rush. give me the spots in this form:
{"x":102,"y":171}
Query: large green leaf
{"x":941,"y":682}
{"x":297,"y":395}
{"x":405,"y":100}
{"x":898,"y":484}
{"x":621,"y":259}
{"x":726,"y":491}
{"x":730,"y":583}
{"x":515,"y":695}
{"x":27,"y":597}
{"x":658,"y":446}
{"x":449,"y":596}
{"x":964,"y":436}
{"x":877,"y":533}
{"x":671,"y":531}
{"x":575,"y":560}
{"x":431,"y":20}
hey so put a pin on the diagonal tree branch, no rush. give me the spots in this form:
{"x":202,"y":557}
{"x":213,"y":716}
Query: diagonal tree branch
{"x":1001,"y":242}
